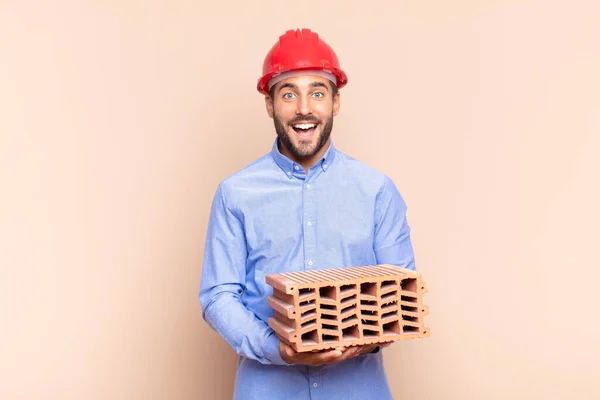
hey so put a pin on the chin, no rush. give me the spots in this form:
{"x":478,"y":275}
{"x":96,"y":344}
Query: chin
{"x":306,"y":148}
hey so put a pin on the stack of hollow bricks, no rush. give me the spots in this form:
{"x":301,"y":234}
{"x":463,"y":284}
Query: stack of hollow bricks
{"x":322,"y":309}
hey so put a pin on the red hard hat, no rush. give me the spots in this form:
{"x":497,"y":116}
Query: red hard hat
{"x":300,"y":50}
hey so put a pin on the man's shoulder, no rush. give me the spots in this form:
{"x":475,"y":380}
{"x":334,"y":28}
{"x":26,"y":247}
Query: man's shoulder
{"x":364,"y":172}
{"x":247,"y":174}
{"x":371,"y":180}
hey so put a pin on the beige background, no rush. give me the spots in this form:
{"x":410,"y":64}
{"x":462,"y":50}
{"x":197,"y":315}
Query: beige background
{"x":119,"y":118}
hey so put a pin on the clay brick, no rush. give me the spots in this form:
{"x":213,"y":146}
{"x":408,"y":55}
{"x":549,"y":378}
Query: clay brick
{"x":323,"y":309}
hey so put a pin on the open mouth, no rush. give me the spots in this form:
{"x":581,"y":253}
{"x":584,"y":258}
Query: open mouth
{"x":305,"y":130}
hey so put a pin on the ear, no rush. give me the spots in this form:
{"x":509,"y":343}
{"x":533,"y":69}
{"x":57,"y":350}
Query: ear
{"x":336,"y":104}
{"x":269,"y":105}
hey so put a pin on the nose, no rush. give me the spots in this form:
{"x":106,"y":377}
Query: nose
{"x":302,"y":106}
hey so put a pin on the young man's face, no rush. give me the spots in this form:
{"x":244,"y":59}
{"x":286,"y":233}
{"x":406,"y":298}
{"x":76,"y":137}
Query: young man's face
{"x":302,"y":109}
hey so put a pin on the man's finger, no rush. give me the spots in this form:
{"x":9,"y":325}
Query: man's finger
{"x":328,"y":356}
{"x":370,"y":348}
{"x":288,"y":350}
{"x":350,"y":352}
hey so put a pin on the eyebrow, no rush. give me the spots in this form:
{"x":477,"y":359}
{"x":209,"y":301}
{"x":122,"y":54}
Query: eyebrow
{"x":318,"y":84}
{"x":288,"y":85}
{"x":294,"y":86}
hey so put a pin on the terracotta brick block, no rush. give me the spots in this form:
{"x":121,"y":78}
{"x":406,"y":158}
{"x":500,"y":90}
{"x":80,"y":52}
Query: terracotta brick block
{"x":323,"y":309}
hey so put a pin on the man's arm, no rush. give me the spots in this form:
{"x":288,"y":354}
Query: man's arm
{"x":392,"y":243}
{"x":223,"y":277}
{"x":222,"y":282}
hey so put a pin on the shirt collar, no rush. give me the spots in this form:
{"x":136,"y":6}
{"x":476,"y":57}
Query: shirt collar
{"x":290,"y":167}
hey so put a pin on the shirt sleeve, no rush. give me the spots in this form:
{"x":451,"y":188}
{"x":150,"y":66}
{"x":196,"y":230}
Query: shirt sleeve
{"x":392,"y":242}
{"x":222,"y":282}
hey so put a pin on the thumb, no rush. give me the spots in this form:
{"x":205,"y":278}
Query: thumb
{"x":288,"y":350}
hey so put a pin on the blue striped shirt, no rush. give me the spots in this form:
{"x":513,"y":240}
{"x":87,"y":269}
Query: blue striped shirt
{"x":272,"y":217}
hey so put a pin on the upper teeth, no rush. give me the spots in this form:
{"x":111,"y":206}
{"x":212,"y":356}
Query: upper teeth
{"x":305,"y":126}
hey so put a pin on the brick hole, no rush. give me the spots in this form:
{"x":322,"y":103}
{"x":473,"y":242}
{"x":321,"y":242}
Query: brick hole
{"x":410,"y":329}
{"x":389,"y":296}
{"x":368,"y":312}
{"x":392,"y":328}
{"x":350,"y":333}
{"x":331,"y":327}
{"x":305,"y":292}
{"x":348,"y":318}
{"x":370,"y":322}
{"x":309,"y":313}
{"x":367,"y":333}
{"x":408,"y":299}
{"x":389,"y":314}
{"x":330,"y":339}
{"x":308,"y":323}
{"x":348,"y":295}
{"x":409,"y":318}
{"x":368,"y":302}
{"x":347,"y":288}
{"x":387,"y":284}
{"x":329,"y":317}
{"x":305,"y":303}
{"x":327,"y":292}
{"x":409,"y":285}
{"x":327,"y":307}
{"x":369,"y":288}
{"x":352,"y":307}
{"x":310,"y":338}
{"x":408,"y":308}
{"x":389,"y":306}
{"x":348,"y":299}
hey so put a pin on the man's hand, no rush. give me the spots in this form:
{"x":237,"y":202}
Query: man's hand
{"x":367,"y":348}
{"x":291,"y":356}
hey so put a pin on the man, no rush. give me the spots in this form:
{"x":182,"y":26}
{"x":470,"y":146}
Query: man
{"x":303,"y":206}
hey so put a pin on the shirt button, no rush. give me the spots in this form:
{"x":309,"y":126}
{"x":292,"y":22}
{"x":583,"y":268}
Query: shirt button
{"x":308,"y":186}
{"x":315,"y":384}
{"x":325,"y":166}
{"x":310,"y":262}
{"x":289,"y":174}
{"x":309,"y":223}
{"x":296,"y":167}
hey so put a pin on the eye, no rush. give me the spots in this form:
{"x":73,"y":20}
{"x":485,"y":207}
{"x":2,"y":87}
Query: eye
{"x":318,"y":94}
{"x":288,"y":96}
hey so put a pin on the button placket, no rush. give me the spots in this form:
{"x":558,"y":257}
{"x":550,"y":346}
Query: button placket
{"x":310,"y":234}
{"x":315,"y":384}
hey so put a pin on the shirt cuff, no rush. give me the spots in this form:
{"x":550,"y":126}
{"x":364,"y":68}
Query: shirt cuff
{"x":271,"y":350}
